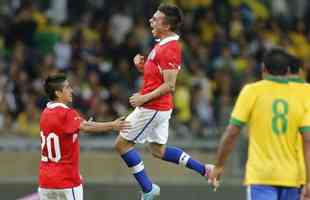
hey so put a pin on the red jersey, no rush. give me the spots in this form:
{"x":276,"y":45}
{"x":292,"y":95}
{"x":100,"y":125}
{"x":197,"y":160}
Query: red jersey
{"x":60,"y":147}
{"x":165,"y":55}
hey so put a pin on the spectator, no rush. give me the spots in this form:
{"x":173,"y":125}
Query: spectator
{"x":95,"y":41}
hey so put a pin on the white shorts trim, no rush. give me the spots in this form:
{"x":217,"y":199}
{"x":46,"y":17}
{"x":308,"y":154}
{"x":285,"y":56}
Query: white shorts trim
{"x":248,"y":192}
{"x":148,"y":125}
{"x":75,"y":193}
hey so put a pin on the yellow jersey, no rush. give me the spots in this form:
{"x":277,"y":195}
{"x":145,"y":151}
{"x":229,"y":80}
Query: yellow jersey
{"x":274,"y":112}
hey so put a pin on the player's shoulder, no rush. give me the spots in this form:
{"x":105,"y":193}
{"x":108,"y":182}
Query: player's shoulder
{"x":171,"y":45}
{"x":300,"y":88}
{"x":169,"y":50}
{"x":254,"y":88}
{"x":58,"y":109}
{"x":299,"y":84}
{"x":269,"y":83}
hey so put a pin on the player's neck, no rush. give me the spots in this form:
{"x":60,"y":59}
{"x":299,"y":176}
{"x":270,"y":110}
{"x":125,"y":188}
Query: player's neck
{"x":168,"y":34}
{"x":61,"y":101}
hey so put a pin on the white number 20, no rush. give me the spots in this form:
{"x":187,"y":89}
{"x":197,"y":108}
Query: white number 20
{"x":52,"y":137}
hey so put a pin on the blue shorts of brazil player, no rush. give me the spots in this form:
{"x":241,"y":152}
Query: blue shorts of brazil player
{"x":268,"y":192}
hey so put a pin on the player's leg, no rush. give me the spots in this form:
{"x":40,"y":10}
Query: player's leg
{"x":133,"y":160}
{"x":140,"y":121}
{"x":179,"y":157}
{"x":262,"y":192}
{"x":290,"y":193}
{"x":157,"y":140}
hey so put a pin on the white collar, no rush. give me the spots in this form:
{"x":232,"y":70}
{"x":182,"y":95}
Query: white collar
{"x":168,"y":39}
{"x":52,"y":105}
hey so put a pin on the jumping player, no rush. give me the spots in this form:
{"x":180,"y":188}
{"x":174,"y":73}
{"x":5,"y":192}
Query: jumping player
{"x":154,"y":104}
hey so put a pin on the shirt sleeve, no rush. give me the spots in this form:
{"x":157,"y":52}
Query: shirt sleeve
{"x":243,"y":107}
{"x":170,"y":58}
{"x":72,"y":122}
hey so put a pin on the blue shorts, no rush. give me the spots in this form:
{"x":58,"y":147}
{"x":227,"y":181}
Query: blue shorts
{"x":267,"y":192}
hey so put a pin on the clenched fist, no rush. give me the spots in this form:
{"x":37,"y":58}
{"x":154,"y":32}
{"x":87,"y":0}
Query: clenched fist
{"x":139,"y":61}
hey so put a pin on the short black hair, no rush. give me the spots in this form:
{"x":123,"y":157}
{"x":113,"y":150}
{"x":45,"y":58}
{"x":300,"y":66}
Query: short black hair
{"x":277,"y":61}
{"x":295,"y":65}
{"x":54,"y":83}
{"x":173,"y":16}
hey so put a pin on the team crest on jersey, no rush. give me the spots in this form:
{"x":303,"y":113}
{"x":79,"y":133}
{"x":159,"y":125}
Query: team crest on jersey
{"x":152,"y":54}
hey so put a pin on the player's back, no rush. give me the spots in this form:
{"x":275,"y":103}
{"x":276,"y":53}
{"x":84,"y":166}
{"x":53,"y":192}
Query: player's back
{"x":59,"y":167}
{"x":274,"y":116}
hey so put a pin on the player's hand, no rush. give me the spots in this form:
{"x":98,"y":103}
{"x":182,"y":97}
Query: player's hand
{"x":139,"y":61}
{"x":83,"y":122}
{"x":215,"y":175}
{"x":121,"y":125}
{"x":137,"y":100}
{"x":305,"y":194}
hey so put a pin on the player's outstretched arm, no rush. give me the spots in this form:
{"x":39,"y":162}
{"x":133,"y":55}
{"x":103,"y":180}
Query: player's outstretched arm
{"x":306,"y":189}
{"x":117,"y":125}
{"x":226,"y":146}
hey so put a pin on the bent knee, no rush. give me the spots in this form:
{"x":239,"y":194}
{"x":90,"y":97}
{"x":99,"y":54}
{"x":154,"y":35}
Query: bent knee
{"x":117,"y":145}
{"x":157,"y":154}
{"x":157,"y":151}
{"x":121,"y":145}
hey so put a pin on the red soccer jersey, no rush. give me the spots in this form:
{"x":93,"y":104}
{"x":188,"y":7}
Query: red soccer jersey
{"x":165,"y":55}
{"x":60,"y":147}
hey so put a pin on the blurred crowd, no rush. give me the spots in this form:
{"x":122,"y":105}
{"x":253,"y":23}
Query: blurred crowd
{"x":95,"y":41}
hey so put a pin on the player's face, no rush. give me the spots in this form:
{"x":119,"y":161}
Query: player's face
{"x":66,"y":94}
{"x":158,"y":25}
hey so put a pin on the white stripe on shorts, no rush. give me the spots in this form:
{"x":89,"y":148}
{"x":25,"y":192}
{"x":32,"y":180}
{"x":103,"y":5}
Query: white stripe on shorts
{"x":248,"y":192}
{"x":145,"y":126}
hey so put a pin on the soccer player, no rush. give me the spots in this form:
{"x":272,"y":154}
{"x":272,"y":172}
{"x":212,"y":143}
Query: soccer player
{"x":275,"y":111}
{"x":59,"y":174}
{"x":153,"y":105}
